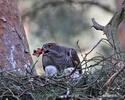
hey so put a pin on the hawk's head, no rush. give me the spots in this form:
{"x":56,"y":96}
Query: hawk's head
{"x":50,"y":48}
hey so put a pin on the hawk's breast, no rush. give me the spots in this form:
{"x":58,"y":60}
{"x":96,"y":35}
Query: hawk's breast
{"x":60,"y":62}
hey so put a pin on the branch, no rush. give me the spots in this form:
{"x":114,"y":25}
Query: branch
{"x":55,"y":3}
{"x":113,"y":77}
{"x":110,"y":30}
{"x":96,"y":25}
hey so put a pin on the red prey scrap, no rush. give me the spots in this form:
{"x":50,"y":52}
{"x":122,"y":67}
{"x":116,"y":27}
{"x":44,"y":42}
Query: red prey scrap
{"x":38,"y":52}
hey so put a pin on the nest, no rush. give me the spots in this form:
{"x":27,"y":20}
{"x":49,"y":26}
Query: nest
{"x":93,"y":83}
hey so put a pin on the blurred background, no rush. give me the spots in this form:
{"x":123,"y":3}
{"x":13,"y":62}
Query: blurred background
{"x":65,"y":22}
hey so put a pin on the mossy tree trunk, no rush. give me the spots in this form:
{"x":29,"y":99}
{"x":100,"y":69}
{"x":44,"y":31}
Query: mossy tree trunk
{"x":14,"y":50}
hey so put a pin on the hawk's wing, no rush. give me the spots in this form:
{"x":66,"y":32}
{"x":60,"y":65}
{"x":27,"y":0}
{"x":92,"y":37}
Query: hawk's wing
{"x":75,"y":60}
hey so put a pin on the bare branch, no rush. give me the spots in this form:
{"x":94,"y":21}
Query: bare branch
{"x":97,"y":26}
{"x":63,"y":2}
{"x":110,"y":31}
{"x":113,"y":77}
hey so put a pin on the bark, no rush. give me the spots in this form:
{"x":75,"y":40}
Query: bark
{"x":121,"y":28}
{"x":14,"y":50}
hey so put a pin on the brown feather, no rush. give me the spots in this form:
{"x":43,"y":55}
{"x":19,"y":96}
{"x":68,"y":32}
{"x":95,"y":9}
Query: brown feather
{"x":76,"y":61}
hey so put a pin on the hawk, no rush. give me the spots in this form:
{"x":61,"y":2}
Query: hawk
{"x":57,"y":58}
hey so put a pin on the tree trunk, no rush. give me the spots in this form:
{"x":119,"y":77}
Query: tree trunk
{"x":121,"y":28}
{"x":14,"y":50}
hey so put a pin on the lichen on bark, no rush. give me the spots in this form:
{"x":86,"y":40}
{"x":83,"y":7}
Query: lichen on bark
{"x":14,"y":49}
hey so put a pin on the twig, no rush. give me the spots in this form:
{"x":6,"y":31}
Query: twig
{"x":96,"y":25}
{"x":113,"y":77}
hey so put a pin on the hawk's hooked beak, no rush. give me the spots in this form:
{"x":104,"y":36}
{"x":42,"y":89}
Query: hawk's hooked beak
{"x":44,"y":50}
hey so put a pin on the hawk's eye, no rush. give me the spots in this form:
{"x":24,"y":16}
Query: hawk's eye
{"x":50,"y":46}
